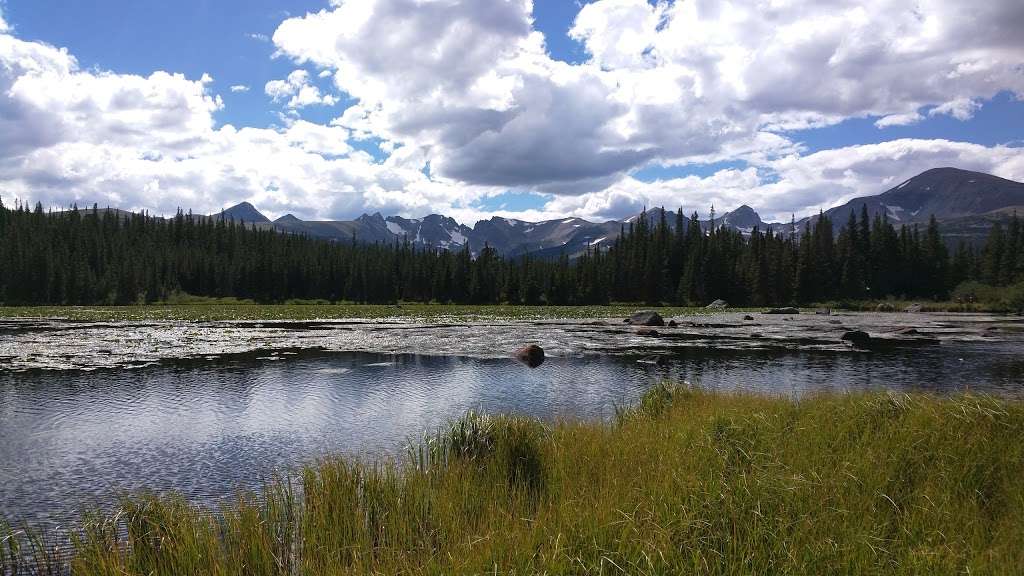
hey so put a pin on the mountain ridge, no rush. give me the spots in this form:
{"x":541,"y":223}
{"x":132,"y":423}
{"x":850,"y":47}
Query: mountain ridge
{"x":967,"y":203}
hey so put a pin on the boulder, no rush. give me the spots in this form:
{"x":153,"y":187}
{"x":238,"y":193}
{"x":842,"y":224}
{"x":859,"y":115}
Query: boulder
{"x":786,"y":310}
{"x":718,"y":304}
{"x":672,"y":324}
{"x":646,"y":318}
{"x":647,"y":332}
{"x":885,"y":307}
{"x":913,"y":308}
{"x":531,"y":355}
{"x":858,"y":338}
{"x":748,"y":317}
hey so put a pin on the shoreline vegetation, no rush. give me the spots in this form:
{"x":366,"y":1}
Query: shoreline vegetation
{"x":684,"y":481}
{"x":195,"y":308}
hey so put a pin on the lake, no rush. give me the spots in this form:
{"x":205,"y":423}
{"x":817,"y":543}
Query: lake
{"x":92,"y":410}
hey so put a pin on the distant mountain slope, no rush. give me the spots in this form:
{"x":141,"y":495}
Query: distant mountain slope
{"x":965,"y":203}
{"x":946,"y":193}
{"x":243,"y":212}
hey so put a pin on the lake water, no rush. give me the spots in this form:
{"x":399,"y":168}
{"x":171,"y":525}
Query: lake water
{"x":89,"y":411}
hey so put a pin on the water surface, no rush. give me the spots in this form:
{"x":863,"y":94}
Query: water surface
{"x":89,"y":411}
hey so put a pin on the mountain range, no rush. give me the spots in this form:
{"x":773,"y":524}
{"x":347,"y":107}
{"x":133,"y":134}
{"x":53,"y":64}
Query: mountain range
{"x":965,"y":203}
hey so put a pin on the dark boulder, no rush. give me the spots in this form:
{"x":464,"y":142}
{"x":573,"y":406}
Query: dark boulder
{"x":786,"y":310}
{"x":531,"y":355}
{"x":748,"y":317}
{"x":672,"y":324}
{"x":646,"y":318}
{"x":858,"y":338}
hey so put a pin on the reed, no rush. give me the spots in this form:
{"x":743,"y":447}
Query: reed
{"x":685,"y":481}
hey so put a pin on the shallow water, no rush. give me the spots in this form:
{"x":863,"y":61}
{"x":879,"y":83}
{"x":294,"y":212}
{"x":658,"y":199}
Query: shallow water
{"x":91,"y":410}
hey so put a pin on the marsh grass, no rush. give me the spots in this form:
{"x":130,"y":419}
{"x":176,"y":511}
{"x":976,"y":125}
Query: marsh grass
{"x":685,"y":481}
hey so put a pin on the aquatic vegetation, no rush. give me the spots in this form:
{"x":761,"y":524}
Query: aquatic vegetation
{"x":685,"y":481}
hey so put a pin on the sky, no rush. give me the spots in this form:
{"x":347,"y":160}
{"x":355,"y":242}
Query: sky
{"x":328,"y":109}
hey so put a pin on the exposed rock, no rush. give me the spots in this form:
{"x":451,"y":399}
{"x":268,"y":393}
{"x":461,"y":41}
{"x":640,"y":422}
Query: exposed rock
{"x":718,"y":304}
{"x":858,"y":338}
{"x":647,"y":332}
{"x":748,"y":317}
{"x":786,"y":310}
{"x":531,"y":355}
{"x":913,"y":308}
{"x":908,"y":332}
{"x":885,"y":307}
{"x":646,"y":318}
{"x":835,"y":321}
{"x":672,"y":324}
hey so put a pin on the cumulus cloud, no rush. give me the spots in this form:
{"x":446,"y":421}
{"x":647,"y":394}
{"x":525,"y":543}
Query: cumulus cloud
{"x":464,"y":100}
{"x":671,"y":82}
{"x":298,"y":91}
{"x":239,"y":88}
{"x":797,"y":184}
{"x":69,"y":135}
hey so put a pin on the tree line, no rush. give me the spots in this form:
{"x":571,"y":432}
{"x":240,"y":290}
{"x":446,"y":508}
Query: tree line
{"x":95,"y":256}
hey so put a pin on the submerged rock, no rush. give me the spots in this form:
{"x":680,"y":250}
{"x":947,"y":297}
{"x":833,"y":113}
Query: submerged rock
{"x":531,"y":355}
{"x":718,"y":304}
{"x":647,"y":332}
{"x":646,"y":318}
{"x":786,"y":310}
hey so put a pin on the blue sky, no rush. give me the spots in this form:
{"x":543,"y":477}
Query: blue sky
{"x":606,"y":118}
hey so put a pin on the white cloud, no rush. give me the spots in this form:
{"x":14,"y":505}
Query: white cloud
{"x":299,"y":92}
{"x":899,"y":120}
{"x":672,"y":82}
{"x":4,"y":26}
{"x":960,"y":108}
{"x":239,"y":88}
{"x":796,"y":184}
{"x":469,"y":89}
{"x":258,"y":37}
{"x":69,"y":135}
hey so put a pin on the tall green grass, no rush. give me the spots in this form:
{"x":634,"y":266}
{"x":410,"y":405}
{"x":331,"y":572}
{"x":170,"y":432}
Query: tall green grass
{"x":686,"y":481}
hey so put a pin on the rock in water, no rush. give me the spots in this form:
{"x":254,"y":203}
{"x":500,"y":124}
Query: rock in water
{"x":748,"y":317}
{"x":787,"y":310}
{"x":647,"y":332}
{"x":531,"y":355}
{"x":858,"y":338}
{"x":718,"y":304}
{"x":913,"y":308}
{"x":646,"y":318}
{"x":672,"y":324}
{"x":823,"y":311}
